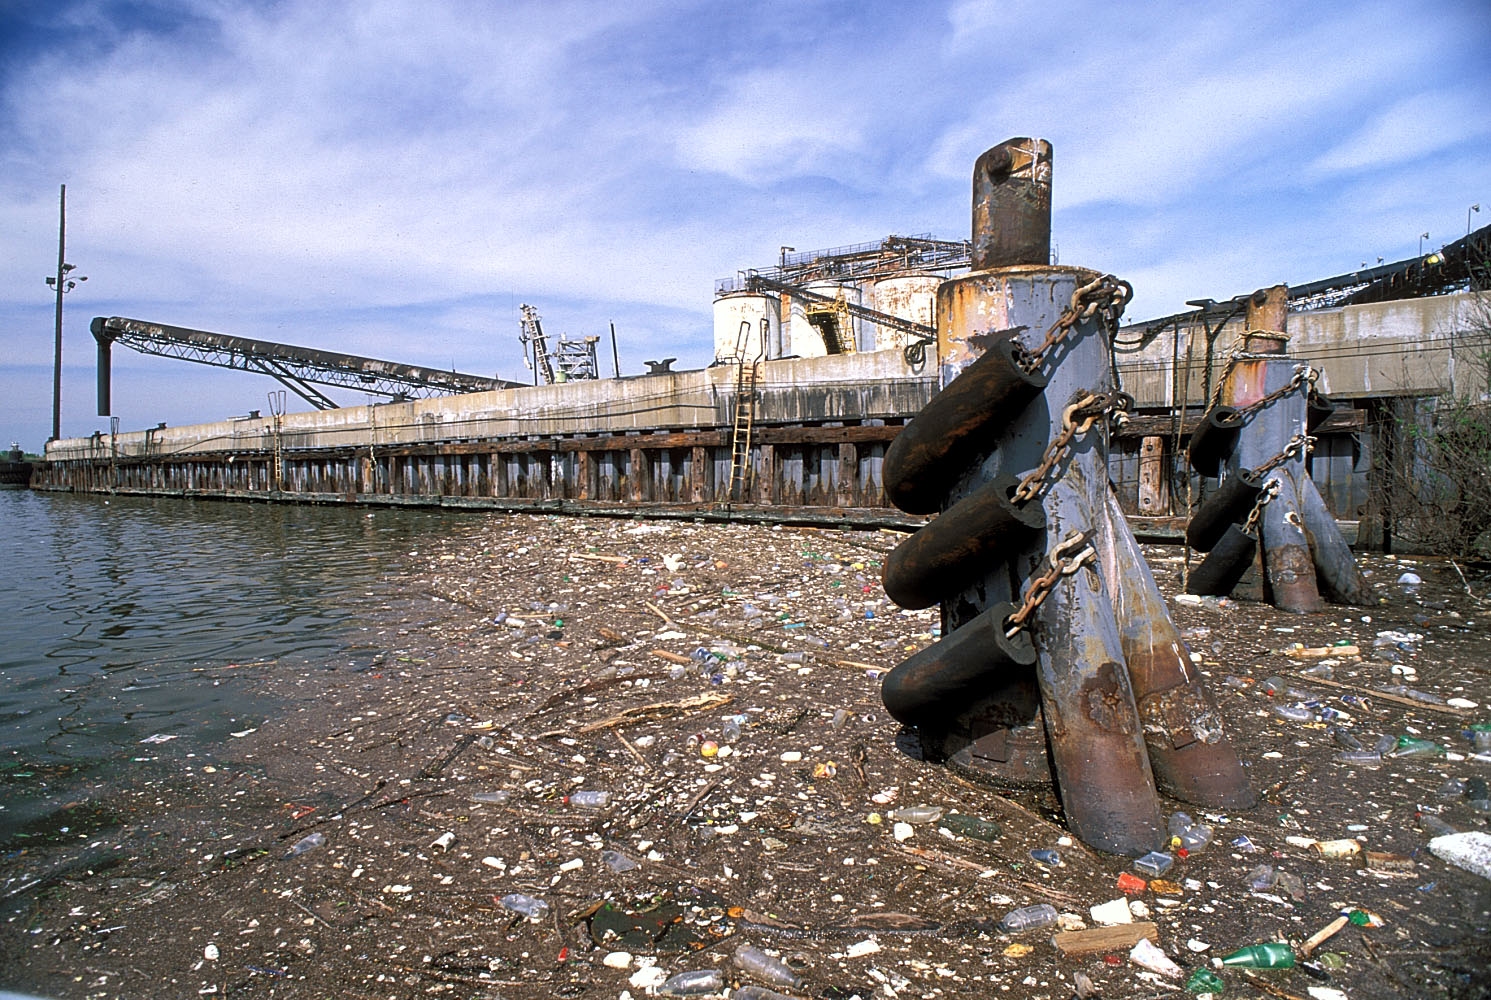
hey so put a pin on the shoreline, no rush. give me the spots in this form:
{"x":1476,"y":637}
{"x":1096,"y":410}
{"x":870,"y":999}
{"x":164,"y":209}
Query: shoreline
{"x":768,"y":841}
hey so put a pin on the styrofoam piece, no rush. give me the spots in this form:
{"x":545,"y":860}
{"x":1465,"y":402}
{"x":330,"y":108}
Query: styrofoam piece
{"x":1471,"y":851}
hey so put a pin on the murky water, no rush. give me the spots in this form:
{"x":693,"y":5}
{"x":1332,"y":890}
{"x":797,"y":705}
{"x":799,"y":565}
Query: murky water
{"x":140,"y":630}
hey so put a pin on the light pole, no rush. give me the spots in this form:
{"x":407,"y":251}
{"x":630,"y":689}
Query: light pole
{"x":1473,"y":208}
{"x":1422,"y":237}
{"x":63,"y":284}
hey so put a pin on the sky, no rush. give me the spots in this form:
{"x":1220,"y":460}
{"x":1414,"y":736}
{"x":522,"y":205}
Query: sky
{"x":393,"y":178}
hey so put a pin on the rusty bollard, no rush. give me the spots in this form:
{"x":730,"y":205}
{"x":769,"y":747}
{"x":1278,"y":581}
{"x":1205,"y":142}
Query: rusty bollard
{"x":1270,"y":410}
{"x":1112,"y":697}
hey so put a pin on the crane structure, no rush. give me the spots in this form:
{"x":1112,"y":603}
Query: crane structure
{"x":299,"y":369}
{"x":568,"y":361}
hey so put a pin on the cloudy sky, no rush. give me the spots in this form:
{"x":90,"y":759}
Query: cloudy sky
{"x":393,"y":177}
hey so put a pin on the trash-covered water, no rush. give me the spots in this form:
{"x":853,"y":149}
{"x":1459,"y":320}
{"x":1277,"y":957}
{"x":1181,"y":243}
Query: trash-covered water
{"x":139,"y":629}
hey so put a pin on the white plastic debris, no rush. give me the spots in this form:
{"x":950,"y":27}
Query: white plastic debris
{"x":1147,"y":955}
{"x":210,"y":953}
{"x":1115,"y":911}
{"x":617,"y":960}
{"x":860,"y":949}
{"x":903,"y":832}
{"x":1471,"y":851}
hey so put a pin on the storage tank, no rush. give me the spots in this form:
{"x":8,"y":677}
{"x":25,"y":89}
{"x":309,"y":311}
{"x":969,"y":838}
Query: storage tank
{"x":804,"y":339}
{"x":734,"y":308}
{"x":909,"y":296}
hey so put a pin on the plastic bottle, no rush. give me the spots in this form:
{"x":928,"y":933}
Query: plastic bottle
{"x":588,"y":800}
{"x":970,"y":826}
{"x":529,"y":906}
{"x":1269,"y":955}
{"x":1407,"y":746}
{"x":1196,"y":839}
{"x":1179,"y":823}
{"x":497,"y":798}
{"x":691,"y":984}
{"x":309,"y":842}
{"x":917,"y":814}
{"x":617,"y":862}
{"x":1046,"y":856}
{"x":730,"y":729}
{"x":1028,"y":918}
{"x":1345,"y":739}
{"x":758,"y":993}
{"x":1263,"y":877}
{"x":1294,"y":713}
{"x":755,"y":962}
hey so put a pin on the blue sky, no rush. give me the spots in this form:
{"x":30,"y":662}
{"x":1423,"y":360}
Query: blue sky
{"x":394,"y":178}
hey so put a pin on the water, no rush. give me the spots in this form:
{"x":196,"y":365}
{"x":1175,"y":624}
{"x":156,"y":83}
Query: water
{"x":141,"y":630}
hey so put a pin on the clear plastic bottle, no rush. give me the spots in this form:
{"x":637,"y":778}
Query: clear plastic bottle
{"x":529,"y":906}
{"x":758,"y":993}
{"x":309,"y":842}
{"x":1028,"y":918}
{"x":1196,"y":839}
{"x":589,"y":799}
{"x":755,"y":962}
{"x":497,"y":798}
{"x":1179,"y":823}
{"x":917,"y":814}
{"x":700,"y":982}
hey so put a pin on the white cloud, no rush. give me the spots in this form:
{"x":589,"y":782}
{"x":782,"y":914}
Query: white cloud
{"x":1411,"y":130}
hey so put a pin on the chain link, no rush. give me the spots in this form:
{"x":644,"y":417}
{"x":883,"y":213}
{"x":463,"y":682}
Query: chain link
{"x":1079,"y":544}
{"x":1077,"y":418}
{"x":1105,"y":294}
{"x":1271,"y":490}
{"x":1303,"y":374}
{"x":1300,"y":444}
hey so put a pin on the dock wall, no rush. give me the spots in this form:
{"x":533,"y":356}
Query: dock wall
{"x":820,"y":430}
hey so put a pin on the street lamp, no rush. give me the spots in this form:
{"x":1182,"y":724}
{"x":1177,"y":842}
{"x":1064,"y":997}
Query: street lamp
{"x":1473,"y":208}
{"x":1422,"y":237}
{"x":63,"y":284}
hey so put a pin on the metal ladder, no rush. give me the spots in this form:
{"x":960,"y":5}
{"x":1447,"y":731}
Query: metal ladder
{"x":747,"y":371}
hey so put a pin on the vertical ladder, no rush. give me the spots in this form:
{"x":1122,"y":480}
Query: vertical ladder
{"x":747,"y":371}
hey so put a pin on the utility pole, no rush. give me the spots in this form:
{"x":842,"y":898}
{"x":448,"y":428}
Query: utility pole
{"x":63,"y":284}
{"x":57,"y":354}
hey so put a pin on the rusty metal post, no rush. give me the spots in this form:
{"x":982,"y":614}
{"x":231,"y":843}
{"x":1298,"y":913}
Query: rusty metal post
{"x":1190,"y":754}
{"x":1335,"y":566}
{"x":1095,"y":736}
{"x":1289,"y":568}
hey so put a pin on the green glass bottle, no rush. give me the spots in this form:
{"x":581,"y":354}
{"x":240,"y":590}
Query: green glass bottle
{"x":1269,"y":955}
{"x":1204,"y":981}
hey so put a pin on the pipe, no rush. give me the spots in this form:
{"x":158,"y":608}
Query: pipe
{"x":1228,"y":505}
{"x":1226,"y":563}
{"x":1189,"y":752}
{"x":1012,"y":205}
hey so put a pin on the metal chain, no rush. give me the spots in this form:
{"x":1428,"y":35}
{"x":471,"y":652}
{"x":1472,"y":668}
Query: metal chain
{"x":1076,"y":419}
{"x":1302,"y":374}
{"x":1250,"y":526}
{"x":1106,"y":294}
{"x":1300,"y":444}
{"x":1060,"y":564}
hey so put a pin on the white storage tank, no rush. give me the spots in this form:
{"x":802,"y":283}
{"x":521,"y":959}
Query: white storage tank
{"x":804,"y":340}
{"x":734,"y":308}
{"x":910,"y":296}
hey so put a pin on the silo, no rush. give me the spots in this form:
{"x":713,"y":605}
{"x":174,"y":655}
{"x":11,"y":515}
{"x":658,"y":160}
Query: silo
{"x":734,"y":308}
{"x":910,"y":296}
{"x":806,"y":340}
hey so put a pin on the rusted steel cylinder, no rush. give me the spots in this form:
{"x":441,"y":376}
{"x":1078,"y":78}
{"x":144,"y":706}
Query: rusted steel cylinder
{"x":1225,"y":564}
{"x":955,"y":670}
{"x":1012,"y":205}
{"x":954,"y":428}
{"x":1335,"y":567}
{"x":1289,"y":568}
{"x":1097,"y":746}
{"x":1189,"y":751}
{"x":1213,"y":440}
{"x":957,"y":548}
{"x":1231,"y":502}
